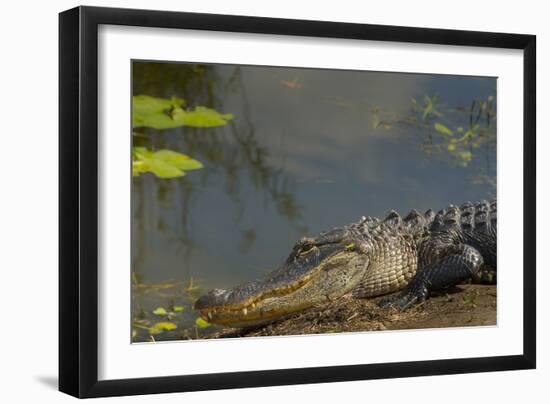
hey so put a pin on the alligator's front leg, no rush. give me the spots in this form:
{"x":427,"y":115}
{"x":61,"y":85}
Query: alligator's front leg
{"x":457,"y":263}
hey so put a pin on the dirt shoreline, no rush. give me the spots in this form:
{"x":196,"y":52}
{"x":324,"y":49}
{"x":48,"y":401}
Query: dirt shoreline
{"x":465,"y":305}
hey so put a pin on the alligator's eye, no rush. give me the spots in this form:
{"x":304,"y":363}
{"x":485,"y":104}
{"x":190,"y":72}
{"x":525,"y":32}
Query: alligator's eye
{"x":306,"y":249}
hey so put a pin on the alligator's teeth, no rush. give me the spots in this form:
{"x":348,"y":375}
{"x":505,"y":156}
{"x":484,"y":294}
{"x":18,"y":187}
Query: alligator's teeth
{"x":245,"y":311}
{"x":210,"y":315}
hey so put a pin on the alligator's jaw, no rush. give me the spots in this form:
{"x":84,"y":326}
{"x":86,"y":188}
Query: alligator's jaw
{"x":254,"y":303}
{"x":248,"y":317}
{"x":328,"y":273}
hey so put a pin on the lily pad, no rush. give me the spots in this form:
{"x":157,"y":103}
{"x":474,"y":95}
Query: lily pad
{"x":162,"y":326}
{"x":162,"y":163}
{"x":179,"y":160}
{"x":160,"y":311}
{"x":201,"y":117}
{"x":202,"y":323}
{"x":160,"y":113}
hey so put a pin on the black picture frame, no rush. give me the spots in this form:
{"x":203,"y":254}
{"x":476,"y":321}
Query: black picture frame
{"x":78,"y":201}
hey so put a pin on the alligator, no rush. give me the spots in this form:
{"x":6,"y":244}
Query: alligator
{"x":412,"y":256}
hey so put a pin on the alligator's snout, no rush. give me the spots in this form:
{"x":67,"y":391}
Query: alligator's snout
{"x":315,"y":271}
{"x":207,"y":303}
{"x":215,"y":297}
{"x":237,"y":305}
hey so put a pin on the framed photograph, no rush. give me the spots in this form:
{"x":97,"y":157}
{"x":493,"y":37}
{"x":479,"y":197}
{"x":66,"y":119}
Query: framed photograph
{"x":252,"y":201}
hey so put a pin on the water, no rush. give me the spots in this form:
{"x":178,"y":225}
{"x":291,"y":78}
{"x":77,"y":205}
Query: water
{"x":302,"y":155}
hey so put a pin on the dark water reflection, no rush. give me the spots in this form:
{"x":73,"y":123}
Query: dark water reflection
{"x":300,"y":156}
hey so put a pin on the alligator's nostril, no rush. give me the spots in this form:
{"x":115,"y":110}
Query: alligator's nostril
{"x":212,"y":298}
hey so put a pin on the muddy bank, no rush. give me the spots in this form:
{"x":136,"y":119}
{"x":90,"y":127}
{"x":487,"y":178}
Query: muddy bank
{"x":465,"y":305}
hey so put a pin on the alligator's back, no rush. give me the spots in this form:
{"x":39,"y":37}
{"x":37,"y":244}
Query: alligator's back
{"x":469,"y":218}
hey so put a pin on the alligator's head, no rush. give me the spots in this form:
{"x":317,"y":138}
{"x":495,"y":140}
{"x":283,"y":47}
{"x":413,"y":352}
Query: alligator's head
{"x":318,"y":269}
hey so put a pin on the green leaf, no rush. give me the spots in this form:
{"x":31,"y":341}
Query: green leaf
{"x":201,"y":117}
{"x":465,"y":155}
{"x":150,"y":111}
{"x":181,"y":161}
{"x":163,"y":169}
{"x":178,"y":308}
{"x":202,"y":323}
{"x":160,"y":113}
{"x":139,"y":167}
{"x":160,"y":311}
{"x":141,"y":152}
{"x":147,"y":104}
{"x":163,"y":163}
{"x":443,"y":129}
{"x":177,"y":102}
{"x":162,"y":326}
{"x":429,"y":108}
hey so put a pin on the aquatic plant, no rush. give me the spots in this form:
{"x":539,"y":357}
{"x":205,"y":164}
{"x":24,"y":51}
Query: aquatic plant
{"x":460,"y":133}
{"x":163,"y":311}
{"x":160,"y":113}
{"x":163,"y":163}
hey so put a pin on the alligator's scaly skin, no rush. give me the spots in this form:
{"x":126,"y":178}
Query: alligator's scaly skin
{"x":460,"y":243}
{"x":415,"y":254}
